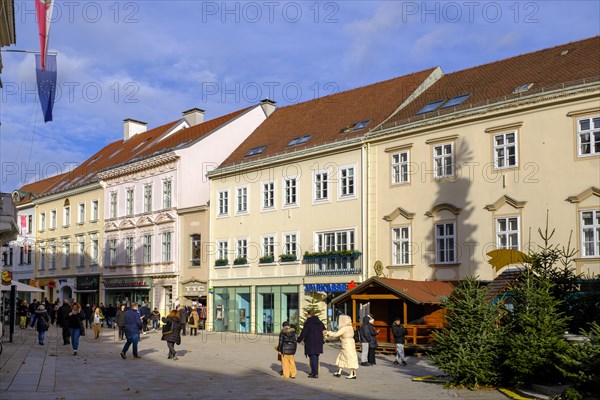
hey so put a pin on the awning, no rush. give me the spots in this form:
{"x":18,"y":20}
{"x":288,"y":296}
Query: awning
{"x":21,"y":287}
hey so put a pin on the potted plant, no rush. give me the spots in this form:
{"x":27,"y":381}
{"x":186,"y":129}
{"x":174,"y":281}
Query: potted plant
{"x":287,"y":257}
{"x":221,"y":262}
{"x":240,"y":261}
{"x":266,"y":259}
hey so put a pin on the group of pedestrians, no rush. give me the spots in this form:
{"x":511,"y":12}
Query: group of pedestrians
{"x":314,"y":333}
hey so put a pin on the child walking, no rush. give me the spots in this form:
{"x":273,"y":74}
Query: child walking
{"x":287,"y":349}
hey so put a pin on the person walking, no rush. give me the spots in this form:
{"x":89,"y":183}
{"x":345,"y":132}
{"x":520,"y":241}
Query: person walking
{"x":96,"y":319}
{"x":193,"y":321}
{"x":120,"y":321}
{"x":171,"y":333}
{"x":155,"y":318}
{"x":183,"y":317}
{"x":369,"y":335}
{"x":62,"y":321}
{"x":23,"y":312}
{"x":43,"y":322}
{"x":399,"y":333}
{"x":347,"y":359}
{"x":312,"y":336}
{"x":133,"y":325}
{"x":76,"y":328}
{"x":88,"y":310}
{"x":145,"y":315}
{"x":287,"y":349}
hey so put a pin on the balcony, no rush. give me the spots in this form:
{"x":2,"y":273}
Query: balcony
{"x":342,"y":263}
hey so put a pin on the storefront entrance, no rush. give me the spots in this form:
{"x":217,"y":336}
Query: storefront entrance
{"x":127,"y":291}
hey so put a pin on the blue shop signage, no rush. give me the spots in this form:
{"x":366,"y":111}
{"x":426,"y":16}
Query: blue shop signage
{"x":326,"y":287}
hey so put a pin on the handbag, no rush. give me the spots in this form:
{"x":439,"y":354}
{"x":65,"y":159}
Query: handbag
{"x":167,"y":328}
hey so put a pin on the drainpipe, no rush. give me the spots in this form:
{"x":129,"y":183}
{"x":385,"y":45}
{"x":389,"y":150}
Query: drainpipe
{"x":364,"y":161}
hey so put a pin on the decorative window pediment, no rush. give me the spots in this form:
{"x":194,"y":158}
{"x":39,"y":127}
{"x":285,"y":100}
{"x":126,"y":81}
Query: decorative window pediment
{"x":591,"y":191}
{"x":443,"y":207}
{"x":396,"y":213}
{"x":505,"y":200}
{"x":144,"y":221}
{"x":164,"y":218}
{"x":111,"y":226}
{"x":127,"y":224}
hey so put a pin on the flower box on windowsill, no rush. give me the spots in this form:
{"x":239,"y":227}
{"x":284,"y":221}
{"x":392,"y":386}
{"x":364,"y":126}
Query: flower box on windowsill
{"x":287,"y":258}
{"x":221,"y":262}
{"x":266,"y":260}
{"x":332,"y":254}
{"x":240,"y":261}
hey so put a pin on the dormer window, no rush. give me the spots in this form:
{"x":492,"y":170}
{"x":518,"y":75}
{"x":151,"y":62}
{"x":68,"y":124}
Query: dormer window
{"x":455,"y":101}
{"x":255,"y":151}
{"x":357,"y":126}
{"x":299,"y":140}
{"x":430,"y":107}
{"x":522,"y":88}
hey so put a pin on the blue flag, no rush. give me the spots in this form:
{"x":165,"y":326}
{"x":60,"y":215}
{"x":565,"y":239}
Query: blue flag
{"x":46,"y":83}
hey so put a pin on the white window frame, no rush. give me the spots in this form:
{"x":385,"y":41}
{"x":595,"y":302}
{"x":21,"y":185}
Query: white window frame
{"x":223,"y":250}
{"x":441,"y":160}
{"x":66,"y":253}
{"x":52,"y":255}
{"x":112,"y":251}
{"x":42,"y":221}
{"x":507,"y":234}
{"x":268,"y":195}
{"x":400,"y":168}
{"x":321,"y":186}
{"x":42,"y":264}
{"x":445,"y":238}
{"x":52,"y":219}
{"x":504,"y":148}
{"x":590,"y":132}
{"x":129,"y":250}
{"x":223,"y":200}
{"x":66,"y":215}
{"x":167,"y":193}
{"x":147,"y":249}
{"x":94,"y":211}
{"x":401,"y":245}
{"x":290,"y":243}
{"x":268,"y":243}
{"x":95,"y":250}
{"x":595,"y":229}
{"x":167,"y":243}
{"x":241,"y":248}
{"x":81,"y":213}
{"x":80,"y":251}
{"x":129,"y":202}
{"x":113,"y":204}
{"x":346,"y":182}
{"x":290,"y":191}
{"x":331,"y":240}
{"x":148,"y":197}
{"x":195,"y":262}
{"x":241,"y":200}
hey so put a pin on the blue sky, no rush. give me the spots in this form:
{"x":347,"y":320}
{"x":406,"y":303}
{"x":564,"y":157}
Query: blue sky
{"x":151,"y":60}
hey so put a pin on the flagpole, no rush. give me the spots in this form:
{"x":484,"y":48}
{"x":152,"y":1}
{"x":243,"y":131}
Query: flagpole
{"x":27,"y":51}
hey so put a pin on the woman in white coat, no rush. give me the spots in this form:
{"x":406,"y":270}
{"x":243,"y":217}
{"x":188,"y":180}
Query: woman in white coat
{"x":347,"y":359}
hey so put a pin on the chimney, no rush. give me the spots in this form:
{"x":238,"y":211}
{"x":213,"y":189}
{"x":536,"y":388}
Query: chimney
{"x":268,"y":106}
{"x":194,"y":116}
{"x":132,"y":127}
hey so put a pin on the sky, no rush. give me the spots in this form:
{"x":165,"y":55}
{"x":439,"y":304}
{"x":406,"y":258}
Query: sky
{"x":153,"y":59}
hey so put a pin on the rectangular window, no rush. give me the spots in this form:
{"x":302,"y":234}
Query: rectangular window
{"x":241,"y":248}
{"x":195,"y":250}
{"x":66,"y":216}
{"x":42,"y":221}
{"x":95,"y":250}
{"x":321,"y":186}
{"x":443,"y":160}
{"x":21,"y":255}
{"x":223,"y":249}
{"x":507,"y":233}
{"x":268,"y":247}
{"x":401,"y":245}
{"x":590,"y":233}
{"x":147,"y":198}
{"x":112,"y":250}
{"x":268,"y":195}
{"x":505,"y":150}
{"x":113,"y":204}
{"x":147,"y":249}
{"x":167,"y":193}
{"x":400,"y":168}
{"x":94,"y":216}
{"x":42,"y":265}
{"x":81,"y":215}
{"x":53,"y":219}
{"x":129,"y":250}
{"x":29,"y":223}
{"x":445,"y":243}
{"x":80,"y":251}
{"x":290,"y":191}
{"x":29,"y":255}
{"x":588,"y":136}
{"x":347,"y":182}
{"x":66,"y":254}
{"x":223,"y":202}
{"x":290,"y":244}
{"x":166,"y":246}
{"x":53,"y":256}
{"x":242,"y":199}
{"x":335,"y":241}
{"x":129,"y":202}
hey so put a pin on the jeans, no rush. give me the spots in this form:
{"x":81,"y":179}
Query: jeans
{"x":365,"y":352}
{"x":110,"y":321}
{"x":121,"y":332}
{"x":65,"y":333}
{"x":314,"y":364}
{"x":399,"y":352}
{"x":172,"y":352}
{"x":132,"y":338}
{"x":183,"y":329}
{"x":193,"y":331}
{"x":41,"y":337}
{"x":155,"y":324}
{"x":75,"y":333}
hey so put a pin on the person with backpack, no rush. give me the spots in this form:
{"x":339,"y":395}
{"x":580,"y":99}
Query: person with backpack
{"x":399,"y":333}
{"x":42,"y":323}
{"x":287,"y":349}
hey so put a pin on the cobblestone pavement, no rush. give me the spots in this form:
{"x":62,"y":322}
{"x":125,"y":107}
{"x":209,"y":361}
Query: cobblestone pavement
{"x":211,"y":366}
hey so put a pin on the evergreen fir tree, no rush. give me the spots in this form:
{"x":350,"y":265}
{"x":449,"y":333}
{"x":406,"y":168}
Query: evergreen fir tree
{"x":468,"y":347}
{"x":312,"y":304}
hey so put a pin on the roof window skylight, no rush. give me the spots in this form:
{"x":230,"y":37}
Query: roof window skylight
{"x":94,"y":159}
{"x":140,"y":145}
{"x":255,"y":151}
{"x":430,"y":107}
{"x":357,"y":126}
{"x":299,"y":140}
{"x":115,"y":153}
{"x":455,"y":101}
{"x":523,"y":88}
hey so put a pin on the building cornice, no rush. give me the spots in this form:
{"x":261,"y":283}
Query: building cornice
{"x":67,"y":193}
{"x":137,"y":166}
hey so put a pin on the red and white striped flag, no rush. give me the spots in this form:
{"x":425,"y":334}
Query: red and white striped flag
{"x":43,"y":10}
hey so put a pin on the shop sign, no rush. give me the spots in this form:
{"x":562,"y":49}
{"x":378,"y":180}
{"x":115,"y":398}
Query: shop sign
{"x":87,"y":282}
{"x":7,"y":276}
{"x":194,"y":289}
{"x":125,"y":283}
{"x":326,"y":287}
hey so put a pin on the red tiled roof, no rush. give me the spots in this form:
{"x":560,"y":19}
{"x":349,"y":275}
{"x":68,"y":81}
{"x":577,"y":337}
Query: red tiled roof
{"x":37,"y":187}
{"x":325,"y":117}
{"x":501,"y":282}
{"x":546,"y":68}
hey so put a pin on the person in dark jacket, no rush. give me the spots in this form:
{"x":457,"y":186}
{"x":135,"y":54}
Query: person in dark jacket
{"x":23,"y":312}
{"x":61,"y":320}
{"x":399,"y":333}
{"x":145,"y":314}
{"x":183,"y":317}
{"x":32,"y":308}
{"x":120,"y":320}
{"x":75,"y":320}
{"x":171,"y":332}
{"x":87,"y":310}
{"x":43,"y":322}
{"x":364,"y":341}
{"x":286,"y":349}
{"x":155,"y":318}
{"x":133,"y":324}
{"x":312,"y":336}
{"x":369,"y":335}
